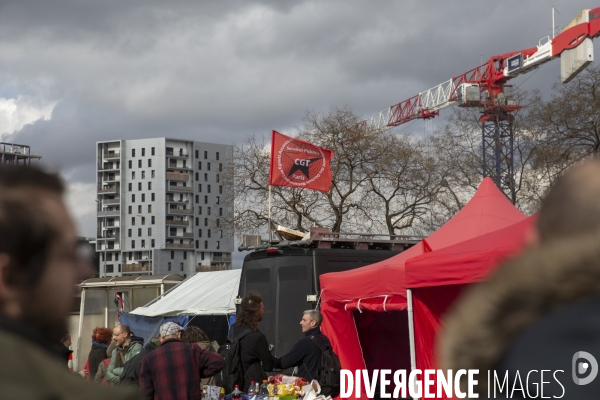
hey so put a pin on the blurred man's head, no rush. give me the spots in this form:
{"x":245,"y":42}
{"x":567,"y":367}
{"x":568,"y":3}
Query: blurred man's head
{"x":572,"y":205}
{"x":310,"y":319}
{"x":193,"y":334}
{"x":122,"y":335}
{"x":39,"y":260}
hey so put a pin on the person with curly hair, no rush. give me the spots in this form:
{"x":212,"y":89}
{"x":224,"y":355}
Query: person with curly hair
{"x":254,"y":348}
{"x":101,"y":338}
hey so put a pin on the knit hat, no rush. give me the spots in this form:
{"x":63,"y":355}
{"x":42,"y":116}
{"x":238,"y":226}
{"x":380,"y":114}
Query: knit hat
{"x":170,"y":328}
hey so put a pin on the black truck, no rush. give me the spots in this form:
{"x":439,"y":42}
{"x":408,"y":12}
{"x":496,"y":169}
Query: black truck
{"x":287,"y":274}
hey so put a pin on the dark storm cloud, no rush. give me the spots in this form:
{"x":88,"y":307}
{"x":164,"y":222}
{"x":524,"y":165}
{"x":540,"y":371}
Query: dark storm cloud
{"x":219,"y":70}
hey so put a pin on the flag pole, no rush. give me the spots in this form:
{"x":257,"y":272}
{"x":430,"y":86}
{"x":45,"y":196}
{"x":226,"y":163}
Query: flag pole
{"x":270,"y":227}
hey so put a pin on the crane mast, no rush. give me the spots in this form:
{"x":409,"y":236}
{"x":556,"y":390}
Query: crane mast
{"x":483,"y":87}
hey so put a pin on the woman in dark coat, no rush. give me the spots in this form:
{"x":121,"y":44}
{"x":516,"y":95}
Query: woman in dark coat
{"x":101,"y":338}
{"x":254,"y":348}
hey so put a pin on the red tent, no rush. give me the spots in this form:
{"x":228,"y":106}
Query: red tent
{"x":365,"y":309}
{"x":437,"y":278}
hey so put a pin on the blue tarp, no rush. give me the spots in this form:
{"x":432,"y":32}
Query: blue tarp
{"x":147,"y":327}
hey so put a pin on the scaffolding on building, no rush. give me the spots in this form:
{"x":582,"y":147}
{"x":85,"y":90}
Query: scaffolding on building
{"x":16,"y":154}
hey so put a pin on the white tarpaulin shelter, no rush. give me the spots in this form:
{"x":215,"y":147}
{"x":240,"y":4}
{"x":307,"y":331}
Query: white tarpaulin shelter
{"x":205,"y":293}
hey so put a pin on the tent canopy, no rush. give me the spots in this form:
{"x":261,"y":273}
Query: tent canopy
{"x":468,"y":261}
{"x":205,"y":293}
{"x":382,"y":286}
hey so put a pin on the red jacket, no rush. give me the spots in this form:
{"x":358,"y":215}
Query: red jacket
{"x":174,"y":370}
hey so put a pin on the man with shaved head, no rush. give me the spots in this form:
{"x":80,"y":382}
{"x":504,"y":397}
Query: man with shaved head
{"x":40,"y":267}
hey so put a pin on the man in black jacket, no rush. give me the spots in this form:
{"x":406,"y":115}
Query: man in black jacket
{"x":306,"y":354}
{"x":131,"y":369}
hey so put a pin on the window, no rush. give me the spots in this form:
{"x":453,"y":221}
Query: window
{"x":185,"y":255}
{"x":217,"y":177}
{"x":133,"y":221}
{"x":208,"y":166}
{"x":109,"y":269}
{"x":169,"y":265}
{"x":217,"y":222}
{"x":197,"y":244}
{"x":196,"y":153}
{"x":129,"y":209}
{"x":200,"y":210}
{"x":149,"y":231}
{"x":181,"y":266}
{"x":199,"y":232}
{"x":143,"y":220}
{"x":139,"y":163}
{"x":116,"y":256}
{"x":143,"y":244}
{"x":208,"y":233}
{"x":221,"y":234}
{"x":140,"y":209}
{"x":205,"y":155}
{"x":130,"y":164}
{"x":206,"y":244}
{"x":197,"y":199}
{"x":197,"y":178}
{"x":153,"y":220}
{"x":133,"y":198}
{"x":220,"y":211}
{"x":220,"y":167}
{"x":149,"y":208}
{"x":130,"y":256}
{"x":128,"y":232}
{"x":132,"y":152}
{"x":200,"y":187}
{"x":133,"y":175}
{"x":218,"y":199}
{"x":143,"y":174}
{"x":149,"y":185}
{"x":152,"y":242}
{"x":149,"y":163}
{"x":152,"y":196}
{"x":207,"y":210}
{"x":205,"y":221}
{"x":139,"y":185}
{"x":205,"y":199}
{"x":220,"y":189}
{"x":139,"y":232}
{"x":152,"y":151}
{"x":143,"y":151}
{"x":143,"y":197}
{"x":200,"y":165}
{"x":197,"y":222}
{"x":172,"y":255}
{"x":184,"y":164}
{"x":202,"y":255}
{"x":152,"y":174}
{"x":207,"y":188}
{"x":218,"y":244}
{"x":217,"y":156}
{"x":133,"y":244}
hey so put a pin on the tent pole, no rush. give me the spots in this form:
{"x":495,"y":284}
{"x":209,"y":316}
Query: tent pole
{"x":79,"y":331}
{"x":411,"y":330}
{"x":270,"y":228}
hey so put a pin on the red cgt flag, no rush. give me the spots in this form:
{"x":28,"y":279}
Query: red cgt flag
{"x":296,"y":163}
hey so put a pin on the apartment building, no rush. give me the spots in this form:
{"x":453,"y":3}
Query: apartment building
{"x":17,"y":154}
{"x":161,"y":207}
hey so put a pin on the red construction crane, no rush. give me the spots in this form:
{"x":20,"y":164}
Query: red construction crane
{"x":483,"y":87}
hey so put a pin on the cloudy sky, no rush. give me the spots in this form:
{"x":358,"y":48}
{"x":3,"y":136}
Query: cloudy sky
{"x":76,"y":72}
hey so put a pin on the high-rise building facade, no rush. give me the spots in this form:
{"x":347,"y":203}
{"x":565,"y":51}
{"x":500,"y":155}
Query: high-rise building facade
{"x":162,"y":207}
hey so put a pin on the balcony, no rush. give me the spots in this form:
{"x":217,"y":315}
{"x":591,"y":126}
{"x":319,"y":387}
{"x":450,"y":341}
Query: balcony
{"x":136,"y":267}
{"x":108,"y":167}
{"x":179,"y":245}
{"x":113,"y":155}
{"x":173,"y":188}
{"x":222,"y":258}
{"x":181,"y":236}
{"x":173,"y":200}
{"x":209,"y":268}
{"x":109,"y":213}
{"x":179,"y":211}
{"x":177,"y":222}
{"x":178,"y":176}
{"x":178,"y":154}
{"x":111,"y":201}
{"x":109,"y":189}
{"x":110,"y":179}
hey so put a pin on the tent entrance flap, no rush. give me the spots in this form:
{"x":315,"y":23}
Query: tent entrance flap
{"x":383,"y":337}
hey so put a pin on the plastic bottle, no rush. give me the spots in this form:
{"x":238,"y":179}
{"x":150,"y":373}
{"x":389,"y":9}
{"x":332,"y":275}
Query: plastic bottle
{"x":257,"y":388}
{"x":237,"y":393}
{"x":264,"y":388}
{"x":222,"y":394}
{"x":252,"y":389}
